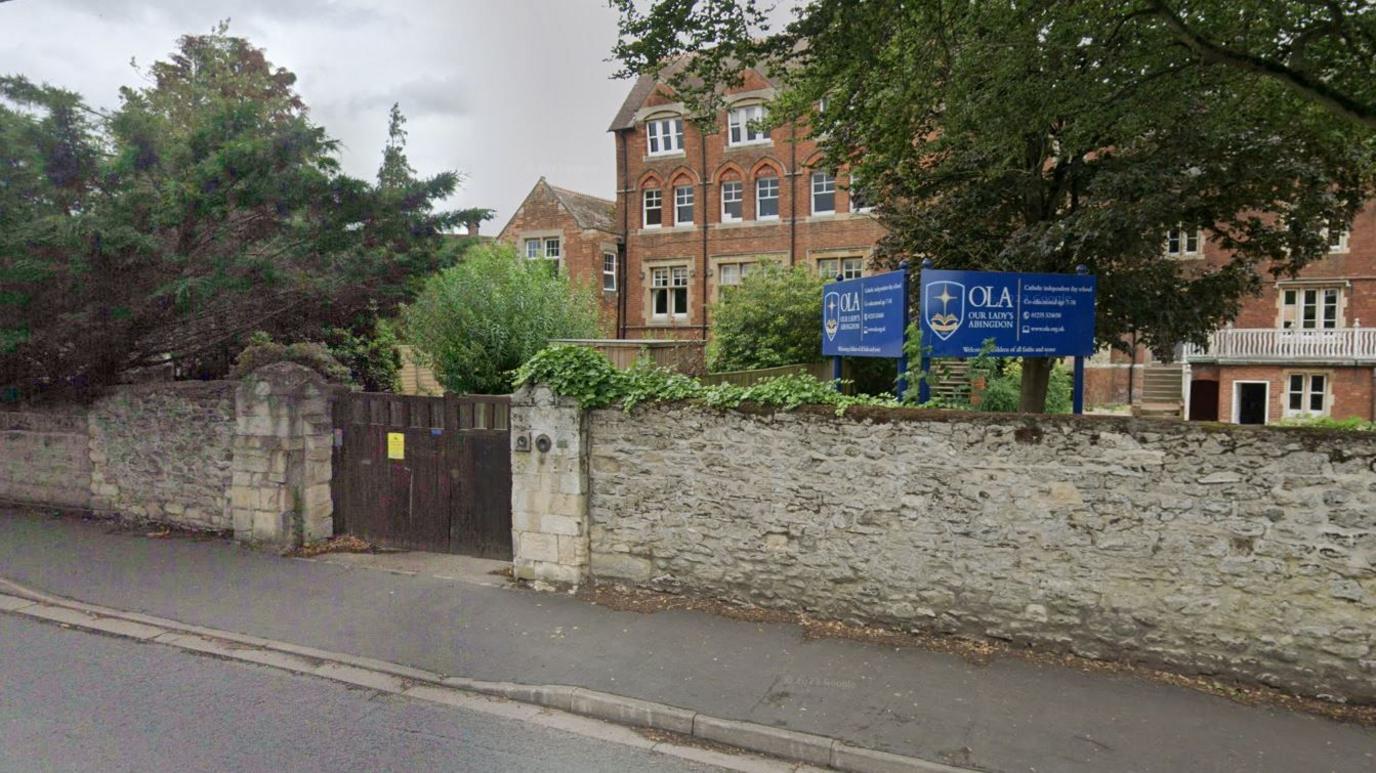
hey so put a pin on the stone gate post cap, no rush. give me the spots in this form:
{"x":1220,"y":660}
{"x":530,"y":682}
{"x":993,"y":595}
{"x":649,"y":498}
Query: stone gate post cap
{"x":284,"y":378}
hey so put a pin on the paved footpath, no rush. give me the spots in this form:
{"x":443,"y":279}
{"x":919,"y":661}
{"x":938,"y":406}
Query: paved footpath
{"x":1008,"y":715}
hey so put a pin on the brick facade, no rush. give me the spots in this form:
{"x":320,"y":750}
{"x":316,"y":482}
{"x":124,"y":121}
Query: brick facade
{"x":709,"y":250}
{"x":585,"y":233}
{"x":1334,"y":297}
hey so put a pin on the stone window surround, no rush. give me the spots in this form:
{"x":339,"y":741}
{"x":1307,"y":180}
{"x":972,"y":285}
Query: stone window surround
{"x":753,"y":258}
{"x":646,"y":277}
{"x":1343,"y":286}
{"x":543,"y":235}
{"x":1305,"y":411}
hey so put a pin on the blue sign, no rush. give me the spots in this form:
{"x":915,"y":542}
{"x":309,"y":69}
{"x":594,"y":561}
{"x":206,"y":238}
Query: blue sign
{"x":865,"y":317}
{"x":1026,"y":315}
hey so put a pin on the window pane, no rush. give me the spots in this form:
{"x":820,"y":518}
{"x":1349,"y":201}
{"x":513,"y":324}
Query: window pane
{"x":683,"y":204}
{"x":680,"y":277}
{"x":827,"y":269}
{"x":551,"y":248}
{"x":1173,"y":241}
{"x":680,"y":300}
{"x":660,"y":277}
{"x":1192,"y":241}
{"x":767,"y":197}
{"x":851,"y":268}
{"x":532,"y":248}
{"x":730,"y":274}
{"x":823,"y":202}
{"x":1289,"y":297}
{"x":661,"y":299}
{"x":731,"y":201}
{"x":1296,"y":401}
{"x":1297,"y":383}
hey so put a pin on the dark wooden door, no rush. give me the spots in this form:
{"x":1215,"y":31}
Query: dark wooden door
{"x":424,"y":473}
{"x":1203,"y":400}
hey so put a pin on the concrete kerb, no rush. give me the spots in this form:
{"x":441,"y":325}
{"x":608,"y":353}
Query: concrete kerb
{"x":459,"y":691}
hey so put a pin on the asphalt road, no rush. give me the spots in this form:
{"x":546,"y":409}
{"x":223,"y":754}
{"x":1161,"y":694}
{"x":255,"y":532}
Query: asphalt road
{"x":72,"y":700}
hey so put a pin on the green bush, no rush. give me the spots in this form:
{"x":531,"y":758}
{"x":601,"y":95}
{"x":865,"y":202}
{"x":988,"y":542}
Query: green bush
{"x":1350,"y":424}
{"x":772,"y":318}
{"x":371,"y":354}
{"x":588,"y":377}
{"x":1003,"y":390}
{"x":262,"y":350}
{"x":476,"y":322}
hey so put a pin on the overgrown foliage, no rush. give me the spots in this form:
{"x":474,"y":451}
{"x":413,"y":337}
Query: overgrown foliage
{"x":1039,"y":136}
{"x":206,"y":206}
{"x":369,"y":351}
{"x":476,"y":322}
{"x":772,"y":318}
{"x":1352,"y":424}
{"x":262,"y":350}
{"x":591,"y":379}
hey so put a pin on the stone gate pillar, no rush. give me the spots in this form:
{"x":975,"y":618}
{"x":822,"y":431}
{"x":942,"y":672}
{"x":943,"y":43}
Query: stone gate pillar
{"x":281,"y":465}
{"x":549,"y":488}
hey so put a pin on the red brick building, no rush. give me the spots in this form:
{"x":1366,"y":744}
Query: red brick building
{"x":1305,"y":347}
{"x":699,"y":209}
{"x":577,"y":234}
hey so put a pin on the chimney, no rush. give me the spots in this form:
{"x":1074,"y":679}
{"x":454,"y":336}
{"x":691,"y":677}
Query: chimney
{"x":473,"y":224}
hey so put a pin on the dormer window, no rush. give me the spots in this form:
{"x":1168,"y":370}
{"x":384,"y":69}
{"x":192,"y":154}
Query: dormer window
{"x":664,"y":136}
{"x":743,"y":124}
{"x":1337,"y":239}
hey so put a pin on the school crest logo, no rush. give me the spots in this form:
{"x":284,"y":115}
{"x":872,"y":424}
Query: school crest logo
{"x":831,"y":315}
{"x":944,"y":306}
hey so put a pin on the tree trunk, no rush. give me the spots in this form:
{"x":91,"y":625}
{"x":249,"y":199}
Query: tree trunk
{"x":1036,"y":375}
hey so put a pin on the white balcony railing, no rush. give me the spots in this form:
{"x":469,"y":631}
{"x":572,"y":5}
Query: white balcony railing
{"x":1276,"y":345}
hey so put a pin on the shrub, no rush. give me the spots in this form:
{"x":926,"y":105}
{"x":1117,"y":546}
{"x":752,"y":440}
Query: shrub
{"x":262,"y":350}
{"x":370,"y":355}
{"x":772,"y":318}
{"x":587,"y":376}
{"x":1350,"y":424}
{"x":479,"y":320}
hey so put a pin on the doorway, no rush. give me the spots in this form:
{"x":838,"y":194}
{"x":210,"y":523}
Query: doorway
{"x":1203,"y":400}
{"x":1252,"y":402}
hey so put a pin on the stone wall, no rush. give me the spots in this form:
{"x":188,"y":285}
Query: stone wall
{"x":549,"y":485}
{"x":250,"y":456}
{"x":45,"y":457}
{"x":162,"y":453}
{"x":1240,"y":551}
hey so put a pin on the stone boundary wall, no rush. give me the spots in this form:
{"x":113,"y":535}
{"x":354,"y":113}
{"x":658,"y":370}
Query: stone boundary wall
{"x":1248,"y":552}
{"x":252,"y":456}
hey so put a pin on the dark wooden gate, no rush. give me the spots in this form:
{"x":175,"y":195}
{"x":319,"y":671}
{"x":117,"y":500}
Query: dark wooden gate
{"x":450,"y":490}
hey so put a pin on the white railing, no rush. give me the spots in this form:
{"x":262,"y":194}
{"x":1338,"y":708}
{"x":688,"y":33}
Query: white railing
{"x":1272,"y":345}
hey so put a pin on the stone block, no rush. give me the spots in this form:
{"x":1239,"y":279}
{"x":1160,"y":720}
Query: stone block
{"x":621,"y":566}
{"x":560,"y":524}
{"x":534,"y":546}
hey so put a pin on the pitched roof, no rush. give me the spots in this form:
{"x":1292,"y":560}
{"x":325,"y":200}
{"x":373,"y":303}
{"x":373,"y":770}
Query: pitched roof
{"x":645,"y":85}
{"x":588,"y":211}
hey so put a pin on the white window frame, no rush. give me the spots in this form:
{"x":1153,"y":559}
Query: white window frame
{"x":759,"y":184}
{"x":668,"y":280}
{"x":848,"y":267}
{"x":1307,"y":393}
{"x":855,"y":183}
{"x":535,"y":247}
{"x":680,"y":202}
{"x":1292,"y":316}
{"x":739,"y":129}
{"x":645,"y":207}
{"x":826,"y":181}
{"x":608,"y":271}
{"x":738,"y":198}
{"x":664,"y":136}
{"x":1182,"y":239}
{"x":1340,"y":244}
{"x":1237,"y":401}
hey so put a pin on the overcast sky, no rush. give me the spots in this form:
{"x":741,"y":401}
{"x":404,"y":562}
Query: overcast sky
{"x":503,"y":91}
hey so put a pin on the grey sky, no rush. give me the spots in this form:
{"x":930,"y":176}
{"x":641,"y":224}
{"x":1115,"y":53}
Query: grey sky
{"x":502,"y":90}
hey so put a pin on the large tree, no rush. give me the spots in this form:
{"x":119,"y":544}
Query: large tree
{"x":1038,"y":136}
{"x":207,"y":206}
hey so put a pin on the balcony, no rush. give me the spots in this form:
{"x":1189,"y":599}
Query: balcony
{"x":1350,"y":345}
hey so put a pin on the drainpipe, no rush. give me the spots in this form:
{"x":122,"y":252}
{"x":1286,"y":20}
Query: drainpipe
{"x":793,"y":198}
{"x":1132,"y":369}
{"x":703,"y":175}
{"x":625,"y":247}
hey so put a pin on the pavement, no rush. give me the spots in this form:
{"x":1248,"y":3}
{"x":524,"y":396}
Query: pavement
{"x":1005,"y":715}
{"x":77,"y":701}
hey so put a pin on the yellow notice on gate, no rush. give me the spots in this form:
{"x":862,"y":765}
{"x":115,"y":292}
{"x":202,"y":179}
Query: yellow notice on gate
{"x":396,"y":445}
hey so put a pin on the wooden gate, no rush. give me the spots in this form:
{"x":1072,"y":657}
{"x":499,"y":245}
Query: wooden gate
{"x":424,"y":473}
